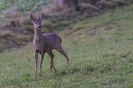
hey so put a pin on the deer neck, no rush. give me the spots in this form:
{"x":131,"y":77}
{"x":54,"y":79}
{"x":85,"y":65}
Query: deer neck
{"x":38,"y":36}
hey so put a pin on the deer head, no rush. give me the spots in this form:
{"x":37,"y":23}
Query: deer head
{"x":37,"y":21}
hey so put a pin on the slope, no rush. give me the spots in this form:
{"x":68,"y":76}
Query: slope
{"x":100,"y":51}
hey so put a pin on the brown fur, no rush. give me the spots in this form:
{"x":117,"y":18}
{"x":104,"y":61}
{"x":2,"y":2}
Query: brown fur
{"x":45,"y":43}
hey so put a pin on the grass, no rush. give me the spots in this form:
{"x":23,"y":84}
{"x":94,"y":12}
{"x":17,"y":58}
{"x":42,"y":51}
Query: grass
{"x":23,"y":5}
{"x":15,"y":25}
{"x":100,"y":51}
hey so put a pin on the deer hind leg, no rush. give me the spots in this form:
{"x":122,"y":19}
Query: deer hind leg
{"x":52,"y":62}
{"x":64,"y":54}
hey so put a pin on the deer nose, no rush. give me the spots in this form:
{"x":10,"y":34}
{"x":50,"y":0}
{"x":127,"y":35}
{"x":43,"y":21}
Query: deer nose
{"x":39,"y":26}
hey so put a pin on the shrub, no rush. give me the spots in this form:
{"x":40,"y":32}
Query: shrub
{"x":6,"y":33}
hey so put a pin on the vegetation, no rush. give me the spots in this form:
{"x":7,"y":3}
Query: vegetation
{"x":14,"y":19}
{"x":100,"y":51}
{"x":26,"y":5}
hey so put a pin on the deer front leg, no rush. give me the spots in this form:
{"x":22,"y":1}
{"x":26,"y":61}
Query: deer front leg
{"x":42,"y":56}
{"x":36,"y":62}
{"x":51,"y":64}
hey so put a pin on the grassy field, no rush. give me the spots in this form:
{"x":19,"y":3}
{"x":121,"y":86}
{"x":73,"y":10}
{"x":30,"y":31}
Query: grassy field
{"x":100,"y":51}
{"x":17,"y":28}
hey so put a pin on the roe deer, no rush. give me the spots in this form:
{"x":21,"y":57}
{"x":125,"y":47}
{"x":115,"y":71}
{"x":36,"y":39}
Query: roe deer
{"x":45,"y":43}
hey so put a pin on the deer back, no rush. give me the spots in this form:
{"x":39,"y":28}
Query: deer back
{"x":51,"y":41}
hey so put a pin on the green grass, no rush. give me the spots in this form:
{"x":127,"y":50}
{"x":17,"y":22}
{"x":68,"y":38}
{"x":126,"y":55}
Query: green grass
{"x":19,"y":7}
{"x":23,"y":5}
{"x":100,"y":51}
{"x":15,"y":21}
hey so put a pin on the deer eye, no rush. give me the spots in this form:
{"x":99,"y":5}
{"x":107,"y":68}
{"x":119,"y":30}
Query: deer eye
{"x":35,"y":22}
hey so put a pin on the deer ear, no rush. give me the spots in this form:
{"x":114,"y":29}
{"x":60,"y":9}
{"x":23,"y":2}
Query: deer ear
{"x":43,"y":16}
{"x":32,"y":17}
